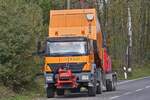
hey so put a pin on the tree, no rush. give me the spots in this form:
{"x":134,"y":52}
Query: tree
{"x":20,"y":23}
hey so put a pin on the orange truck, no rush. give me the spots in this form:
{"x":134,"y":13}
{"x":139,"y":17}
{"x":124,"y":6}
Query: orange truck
{"x":76,"y":58}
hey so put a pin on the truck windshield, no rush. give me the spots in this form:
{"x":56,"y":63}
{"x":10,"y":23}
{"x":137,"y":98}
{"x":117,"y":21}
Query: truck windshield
{"x":67,"y":48}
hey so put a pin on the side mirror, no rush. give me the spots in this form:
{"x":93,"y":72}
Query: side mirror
{"x":108,"y":39}
{"x":38,"y":47}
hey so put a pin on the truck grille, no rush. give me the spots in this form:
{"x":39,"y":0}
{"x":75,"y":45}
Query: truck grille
{"x":75,"y":67}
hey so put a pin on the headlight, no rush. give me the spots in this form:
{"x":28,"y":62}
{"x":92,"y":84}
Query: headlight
{"x":49,"y":78}
{"x":85,"y":77}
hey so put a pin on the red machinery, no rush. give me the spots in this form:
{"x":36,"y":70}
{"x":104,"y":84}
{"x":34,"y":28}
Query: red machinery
{"x":107,"y":66}
{"x":66,"y":79}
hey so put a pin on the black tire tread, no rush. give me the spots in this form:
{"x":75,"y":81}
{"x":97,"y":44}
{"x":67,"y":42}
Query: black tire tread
{"x":99,"y":89}
{"x":50,"y":92}
{"x":60,"y":92}
{"x":91,"y":91}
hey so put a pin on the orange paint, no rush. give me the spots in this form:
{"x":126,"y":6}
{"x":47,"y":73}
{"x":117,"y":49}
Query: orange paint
{"x":71,"y":23}
{"x":71,"y":59}
{"x":74,"y":23}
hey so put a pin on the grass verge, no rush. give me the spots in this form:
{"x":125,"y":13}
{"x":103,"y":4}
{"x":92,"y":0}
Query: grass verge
{"x":35,"y":91}
{"x":137,"y":72}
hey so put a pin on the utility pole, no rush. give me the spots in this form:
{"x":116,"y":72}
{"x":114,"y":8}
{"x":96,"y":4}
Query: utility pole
{"x":129,"y":47}
{"x":68,"y":4}
{"x":81,"y":3}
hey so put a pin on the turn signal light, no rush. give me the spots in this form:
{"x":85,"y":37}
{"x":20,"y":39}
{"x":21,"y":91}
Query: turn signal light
{"x":87,"y":67}
{"x":47,"y":68}
{"x":56,"y":33}
{"x":83,"y":32}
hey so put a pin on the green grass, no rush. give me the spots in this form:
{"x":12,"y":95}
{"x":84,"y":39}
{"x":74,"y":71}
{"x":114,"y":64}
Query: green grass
{"x":35,"y":91}
{"x":140,"y":72}
{"x":28,"y":95}
{"x":137,"y":72}
{"x":18,"y":97}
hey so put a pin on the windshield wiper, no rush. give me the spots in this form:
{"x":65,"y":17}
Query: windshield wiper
{"x":67,"y":54}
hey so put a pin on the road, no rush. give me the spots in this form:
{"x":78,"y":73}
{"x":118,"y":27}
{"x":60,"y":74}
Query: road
{"x":138,"y":89}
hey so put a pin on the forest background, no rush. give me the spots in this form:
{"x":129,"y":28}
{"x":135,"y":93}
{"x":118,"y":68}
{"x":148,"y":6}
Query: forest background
{"x":22,"y":22}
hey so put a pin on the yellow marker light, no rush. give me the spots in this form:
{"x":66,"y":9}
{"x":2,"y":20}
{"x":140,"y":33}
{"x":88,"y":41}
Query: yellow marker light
{"x":56,"y":33}
{"x":87,"y":67}
{"x":47,"y":68}
{"x":83,"y":32}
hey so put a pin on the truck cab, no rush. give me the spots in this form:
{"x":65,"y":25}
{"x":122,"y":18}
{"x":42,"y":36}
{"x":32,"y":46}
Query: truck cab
{"x":74,"y":53}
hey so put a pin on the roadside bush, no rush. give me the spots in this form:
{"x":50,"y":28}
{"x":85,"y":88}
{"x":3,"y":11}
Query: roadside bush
{"x":20,"y":23}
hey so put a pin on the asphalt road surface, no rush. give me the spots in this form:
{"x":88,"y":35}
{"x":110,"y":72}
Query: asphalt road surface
{"x":138,"y":89}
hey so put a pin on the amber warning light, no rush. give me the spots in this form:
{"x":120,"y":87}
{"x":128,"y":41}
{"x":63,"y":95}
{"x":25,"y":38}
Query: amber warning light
{"x":90,"y":17}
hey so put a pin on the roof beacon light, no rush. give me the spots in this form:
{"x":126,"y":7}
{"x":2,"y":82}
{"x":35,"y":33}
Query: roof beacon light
{"x":90,"y":17}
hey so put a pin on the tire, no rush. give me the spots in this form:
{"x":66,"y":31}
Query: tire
{"x":60,"y":92}
{"x":111,"y":85}
{"x":92,"y":91}
{"x":115,"y":83}
{"x":99,"y":88}
{"x":50,"y":92}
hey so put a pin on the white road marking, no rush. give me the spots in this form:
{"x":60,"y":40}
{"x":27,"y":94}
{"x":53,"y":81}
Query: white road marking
{"x":127,"y":93}
{"x":147,"y":87}
{"x":138,"y":90}
{"x":120,"y":83}
{"x":114,"y":97}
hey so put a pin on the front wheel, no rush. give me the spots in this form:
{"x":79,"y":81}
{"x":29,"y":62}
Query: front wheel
{"x":92,"y":91}
{"x":60,"y":92}
{"x":50,"y":92}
